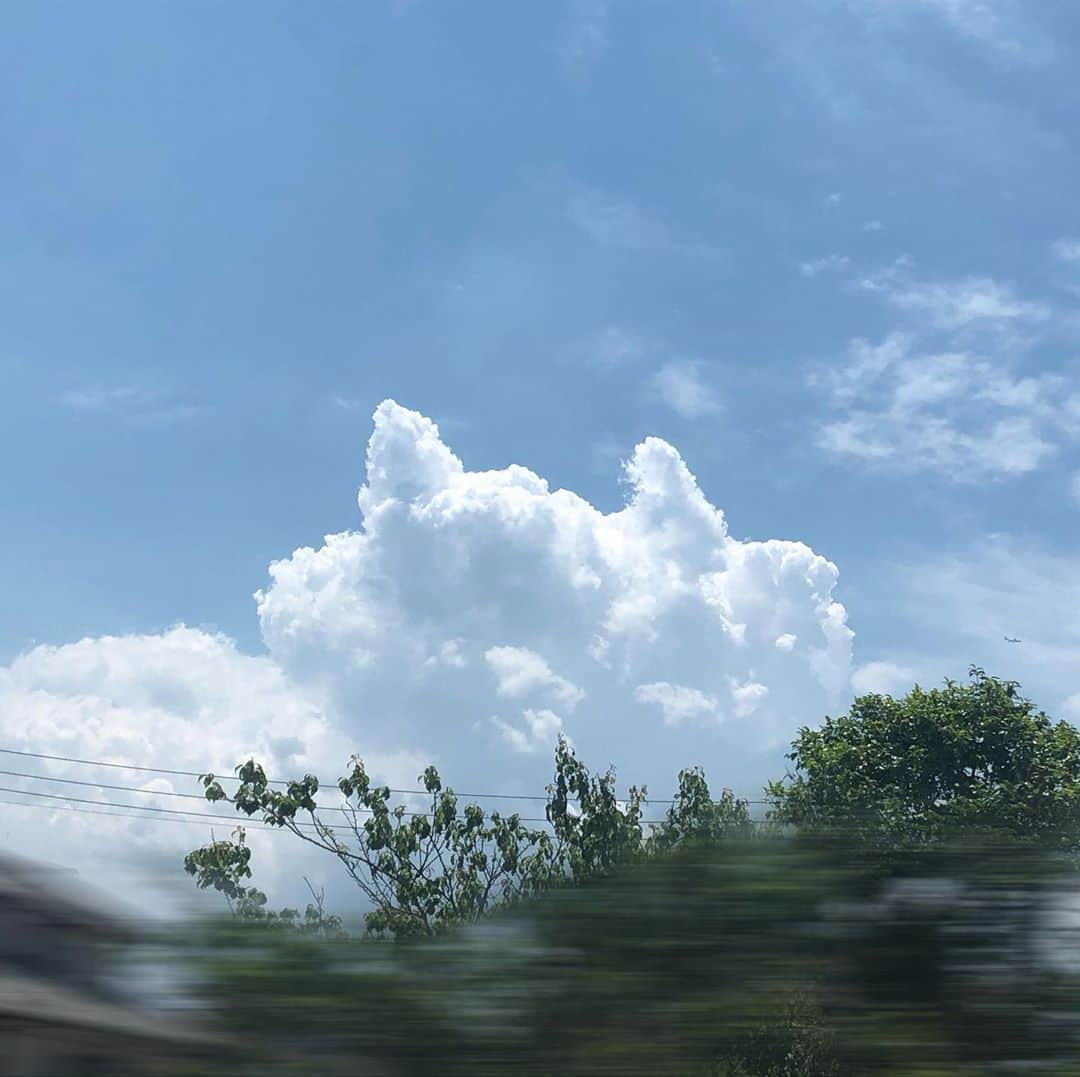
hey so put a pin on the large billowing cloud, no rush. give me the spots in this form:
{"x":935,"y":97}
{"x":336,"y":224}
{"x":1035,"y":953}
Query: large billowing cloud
{"x":470,"y":619}
{"x":476,"y":614}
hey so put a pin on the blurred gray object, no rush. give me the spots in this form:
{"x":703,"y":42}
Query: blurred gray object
{"x":64,"y":964}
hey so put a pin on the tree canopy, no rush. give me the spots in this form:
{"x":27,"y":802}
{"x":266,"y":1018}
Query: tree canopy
{"x":430,"y":863}
{"x":974,"y":756}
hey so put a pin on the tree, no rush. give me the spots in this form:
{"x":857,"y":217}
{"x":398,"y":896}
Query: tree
{"x":226,"y":865}
{"x":435,"y":864}
{"x":695,"y":818}
{"x":965,"y":757}
{"x":421,"y":869}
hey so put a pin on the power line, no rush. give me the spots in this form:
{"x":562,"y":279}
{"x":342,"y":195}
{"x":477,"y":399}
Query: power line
{"x":71,"y":809}
{"x":197,"y":815}
{"x":203,"y":815}
{"x":103,"y":785}
{"x":188,"y":815}
{"x":128,"y":788}
{"x":270,"y":781}
{"x":173,"y":816}
{"x":233,"y":778}
{"x":192,"y":816}
{"x":189,"y":796}
{"x":103,"y":763}
{"x":189,"y":818}
{"x":207,"y":815}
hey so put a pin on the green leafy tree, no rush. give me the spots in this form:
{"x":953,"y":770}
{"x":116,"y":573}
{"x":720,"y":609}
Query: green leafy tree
{"x":225,"y":866}
{"x":434,"y":863}
{"x":594,"y":831}
{"x":962,"y":758}
{"x":421,"y":868}
{"x":695,"y":817}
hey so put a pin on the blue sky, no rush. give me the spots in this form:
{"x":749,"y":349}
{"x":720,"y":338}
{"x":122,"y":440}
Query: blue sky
{"x":231,"y":230}
{"x":240,"y":214}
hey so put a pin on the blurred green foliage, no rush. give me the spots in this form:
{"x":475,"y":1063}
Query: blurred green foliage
{"x":909,"y":909}
{"x":777,"y":957}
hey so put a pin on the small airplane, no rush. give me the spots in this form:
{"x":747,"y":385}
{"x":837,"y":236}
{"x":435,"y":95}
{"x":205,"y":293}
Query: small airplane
{"x":1009,"y":639}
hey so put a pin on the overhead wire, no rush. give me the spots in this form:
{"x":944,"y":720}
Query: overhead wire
{"x":233,"y":778}
{"x":349,"y":811}
{"x":191,"y":815}
{"x":197,"y":815}
{"x":78,"y":810}
{"x":129,"y":788}
{"x":276,"y":781}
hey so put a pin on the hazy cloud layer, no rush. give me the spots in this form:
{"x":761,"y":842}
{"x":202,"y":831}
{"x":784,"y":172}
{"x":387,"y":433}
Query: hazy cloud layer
{"x":682,"y":386}
{"x":957,"y":608}
{"x":184,"y":700}
{"x":947,"y":390}
{"x":954,"y":412}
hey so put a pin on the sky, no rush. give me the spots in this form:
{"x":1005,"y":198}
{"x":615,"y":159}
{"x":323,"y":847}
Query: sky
{"x":698,"y":366}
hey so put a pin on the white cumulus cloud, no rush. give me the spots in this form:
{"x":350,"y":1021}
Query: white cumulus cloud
{"x":521,"y":672}
{"x":555,"y":605}
{"x":677,"y":702}
{"x":536,"y":731}
{"x":882,"y":678}
{"x":747,"y":697}
{"x":467,"y":619}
